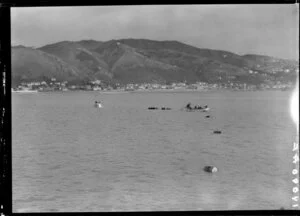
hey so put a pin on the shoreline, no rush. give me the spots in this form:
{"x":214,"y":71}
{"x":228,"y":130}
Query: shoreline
{"x":153,"y":91}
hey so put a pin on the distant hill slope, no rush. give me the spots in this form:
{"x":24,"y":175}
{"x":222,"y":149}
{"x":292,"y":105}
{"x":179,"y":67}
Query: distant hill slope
{"x":141,"y":60}
{"x":34,"y":65}
{"x":80,"y":55}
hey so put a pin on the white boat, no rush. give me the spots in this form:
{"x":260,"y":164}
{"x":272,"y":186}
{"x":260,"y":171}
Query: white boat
{"x":205,"y":109}
{"x":98,"y":105}
{"x":210,"y":169}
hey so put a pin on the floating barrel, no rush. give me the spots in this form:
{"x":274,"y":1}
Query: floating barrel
{"x":210,"y":169}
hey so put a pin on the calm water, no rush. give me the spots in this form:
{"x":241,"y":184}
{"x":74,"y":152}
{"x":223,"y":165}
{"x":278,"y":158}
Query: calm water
{"x":70,"y":156}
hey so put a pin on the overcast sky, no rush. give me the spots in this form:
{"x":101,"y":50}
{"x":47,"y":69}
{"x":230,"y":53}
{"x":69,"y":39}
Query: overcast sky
{"x":258,"y":29}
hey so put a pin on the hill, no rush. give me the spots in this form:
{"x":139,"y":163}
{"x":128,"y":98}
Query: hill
{"x":141,"y":60}
{"x":80,"y":55}
{"x":29,"y":64}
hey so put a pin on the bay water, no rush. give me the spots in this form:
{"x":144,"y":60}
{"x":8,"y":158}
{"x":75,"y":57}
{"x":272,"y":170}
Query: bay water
{"x":70,"y":156}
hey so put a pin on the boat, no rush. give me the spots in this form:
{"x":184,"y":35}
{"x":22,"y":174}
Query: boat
{"x":188,"y":108}
{"x":98,"y":105}
{"x":196,"y":110}
{"x":152,"y":108}
{"x":210,"y":169}
{"x":192,"y":110}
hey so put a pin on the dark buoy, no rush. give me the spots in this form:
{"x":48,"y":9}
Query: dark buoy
{"x":217,"y":132}
{"x":210,"y":169}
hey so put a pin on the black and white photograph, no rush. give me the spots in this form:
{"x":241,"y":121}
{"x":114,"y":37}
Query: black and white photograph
{"x":142,"y":108}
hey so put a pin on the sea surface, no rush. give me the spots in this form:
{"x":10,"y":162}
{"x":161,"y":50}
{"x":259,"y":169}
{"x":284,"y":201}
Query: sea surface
{"x":70,"y":156}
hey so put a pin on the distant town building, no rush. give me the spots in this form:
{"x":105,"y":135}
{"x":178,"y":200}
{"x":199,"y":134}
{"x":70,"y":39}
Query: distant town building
{"x":96,"y":82}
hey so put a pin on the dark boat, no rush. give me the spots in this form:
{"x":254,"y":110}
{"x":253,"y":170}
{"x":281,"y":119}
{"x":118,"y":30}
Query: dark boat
{"x":152,"y":108}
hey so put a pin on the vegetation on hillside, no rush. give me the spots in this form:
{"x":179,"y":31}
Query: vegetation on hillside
{"x":145,"y":61}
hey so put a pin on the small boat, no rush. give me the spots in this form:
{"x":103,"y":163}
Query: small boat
{"x":165,"y":108}
{"x":217,"y":132}
{"x":98,"y":105}
{"x":152,"y":108}
{"x":196,"y":108}
{"x":210,"y":169}
{"x":193,"y":110}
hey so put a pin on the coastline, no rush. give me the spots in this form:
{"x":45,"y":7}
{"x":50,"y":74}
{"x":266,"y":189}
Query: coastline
{"x":201,"y":90}
{"x":153,"y":91}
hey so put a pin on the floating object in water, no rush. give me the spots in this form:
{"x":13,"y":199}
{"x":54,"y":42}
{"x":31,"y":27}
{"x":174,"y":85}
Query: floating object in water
{"x":192,"y":110}
{"x":156,"y":108}
{"x":197,"y":107}
{"x":98,"y":104}
{"x":210,"y":169}
{"x":208,"y":116}
{"x":217,"y":132}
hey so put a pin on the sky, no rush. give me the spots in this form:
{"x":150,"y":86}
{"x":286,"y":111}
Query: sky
{"x":271,"y":30}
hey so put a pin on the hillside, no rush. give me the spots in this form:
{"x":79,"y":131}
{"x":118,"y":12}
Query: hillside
{"x":29,"y":64}
{"x":80,"y":55}
{"x":141,"y":60}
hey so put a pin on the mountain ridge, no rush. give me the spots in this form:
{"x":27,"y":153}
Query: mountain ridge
{"x":144,"y":60}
